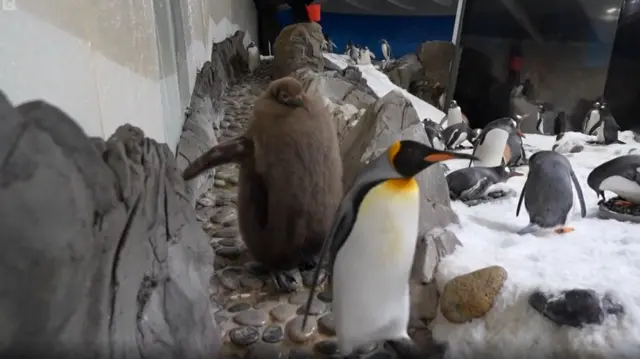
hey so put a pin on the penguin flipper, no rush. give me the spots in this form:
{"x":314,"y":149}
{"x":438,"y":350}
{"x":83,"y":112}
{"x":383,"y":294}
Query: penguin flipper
{"x":583,"y":209}
{"x":260,"y":199}
{"x":477,"y":190}
{"x":620,"y":142}
{"x":520,"y":199}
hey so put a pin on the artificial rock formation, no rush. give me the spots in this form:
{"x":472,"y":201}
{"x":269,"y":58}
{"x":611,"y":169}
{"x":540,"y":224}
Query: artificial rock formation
{"x":471,"y":295}
{"x":298,"y":46}
{"x":101,"y":251}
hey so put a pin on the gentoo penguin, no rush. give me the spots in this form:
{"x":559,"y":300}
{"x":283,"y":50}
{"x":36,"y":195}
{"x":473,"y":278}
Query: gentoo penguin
{"x":365,"y":56}
{"x":491,"y":146}
{"x":515,"y":155}
{"x":354,"y":53}
{"x":473,"y":182}
{"x":606,"y":130}
{"x":254,"y":57}
{"x":434,"y":134}
{"x":386,"y":50}
{"x":592,"y":118}
{"x":540,"y":120}
{"x":547,"y":192}
{"x":455,"y":135}
{"x":289,"y":189}
{"x":373,"y":241}
{"x":454,"y":114}
{"x":621,"y":176}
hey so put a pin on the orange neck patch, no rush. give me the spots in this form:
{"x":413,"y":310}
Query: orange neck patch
{"x":401,"y":184}
{"x":393,"y":150}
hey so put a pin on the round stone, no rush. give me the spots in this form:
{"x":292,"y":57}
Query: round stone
{"x":228,"y":242}
{"x":244,"y":335}
{"x":264,"y":351}
{"x":327,"y":347}
{"x":300,"y":353}
{"x":227,"y":232}
{"x":295,"y":332}
{"x":229,"y":282}
{"x":266,"y":305}
{"x":327,"y":324}
{"x":299,"y":298}
{"x":239,"y":307}
{"x":283,"y":312}
{"x":273,"y":334}
{"x":251,"y":282}
{"x":325,"y":297}
{"x":251,"y":317}
{"x":219,"y":183}
{"x":205,"y":202}
{"x":229,"y":252}
{"x":317,"y":307}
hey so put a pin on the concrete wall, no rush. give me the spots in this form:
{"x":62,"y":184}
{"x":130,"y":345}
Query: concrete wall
{"x":112,"y":62}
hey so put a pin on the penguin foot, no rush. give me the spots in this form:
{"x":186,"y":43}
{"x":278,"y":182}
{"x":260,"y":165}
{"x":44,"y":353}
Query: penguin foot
{"x":284,"y":281}
{"x":623,"y":203}
{"x":563,"y":230}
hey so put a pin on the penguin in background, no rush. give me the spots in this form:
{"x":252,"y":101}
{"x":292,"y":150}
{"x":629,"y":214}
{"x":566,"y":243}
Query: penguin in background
{"x":540,"y":117}
{"x":547,"y":193}
{"x":492,"y":147}
{"x":383,"y":203}
{"x":621,"y":176}
{"x":453,"y":116}
{"x":386,"y":50}
{"x":473,"y":182}
{"x":354,"y":53}
{"x":606,"y":130}
{"x":591,"y":119}
{"x":515,"y":154}
{"x":455,"y":135}
{"x":254,"y":57}
{"x":365,"y":56}
{"x":328,"y":45}
{"x":560,"y":124}
{"x":434,"y":134}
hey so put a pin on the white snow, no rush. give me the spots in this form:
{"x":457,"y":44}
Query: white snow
{"x":603,"y":255}
{"x":381,"y":85}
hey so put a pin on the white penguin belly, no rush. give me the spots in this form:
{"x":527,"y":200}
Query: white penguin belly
{"x":454,"y":116}
{"x":491,"y":151}
{"x":461,"y":138}
{"x":629,"y":190}
{"x":371,"y":271}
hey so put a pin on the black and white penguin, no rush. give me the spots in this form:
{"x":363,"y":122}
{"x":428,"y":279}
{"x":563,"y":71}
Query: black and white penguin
{"x":386,"y":50}
{"x":515,"y":155}
{"x":454,"y":135}
{"x":606,"y":130}
{"x":354,"y":53}
{"x":547,"y":193}
{"x":473,"y":182}
{"x":254,"y":57}
{"x":540,"y":120}
{"x":491,"y":147}
{"x":453,"y":116}
{"x":621,"y":176}
{"x":591,"y":120}
{"x":434,"y":134}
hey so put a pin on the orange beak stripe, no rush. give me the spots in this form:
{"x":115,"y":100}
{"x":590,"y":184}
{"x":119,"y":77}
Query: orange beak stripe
{"x":437,"y":157}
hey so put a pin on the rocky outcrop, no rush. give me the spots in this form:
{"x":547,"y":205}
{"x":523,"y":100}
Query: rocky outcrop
{"x":101,"y":250}
{"x":202,"y":120}
{"x":298,"y":46}
{"x":435,"y":58}
{"x":471,"y":295}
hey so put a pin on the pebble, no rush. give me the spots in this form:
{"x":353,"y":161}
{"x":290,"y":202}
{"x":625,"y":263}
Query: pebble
{"x":300,"y":353}
{"x":264,"y":351}
{"x":219,"y":183}
{"x":273,"y":334}
{"x":225,"y":198}
{"x":327,"y":324}
{"x":239,"y":307}
{"x":205,"y":202}
{"x":317,"y":307}
{"x":307,"y":277}
{"x":283,"y":312}
{"x":251,"y":282}
{"x":228,"y":242}
{"x":230,"y":283}
{"x":220,"y":318}
{"x":268,"y":304}
{"x":327,"y":347}
{"x":252,"y":317}
{"x":299,"y":298}
{"x":225,"y":216}
{"x":297,"y":335}
{"x":244,"y":335}
{"x":229,"y":252}
{"x":227,"y":232}
{"x":325,"y":297}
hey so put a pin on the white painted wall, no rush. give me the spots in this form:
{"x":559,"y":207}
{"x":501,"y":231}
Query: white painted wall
{"x":104,"y":63}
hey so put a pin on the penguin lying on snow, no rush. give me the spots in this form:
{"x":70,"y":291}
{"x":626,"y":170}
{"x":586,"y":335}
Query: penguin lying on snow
{"x":621,"y":176}
{"x":455,"y":135}
{"x":547,"y":192}
{"x":373,"y":241}
{"x":474,"y":182}
{"x":491,"y":146}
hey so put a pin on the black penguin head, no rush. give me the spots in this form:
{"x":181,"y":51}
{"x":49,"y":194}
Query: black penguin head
{"x":453,"y":104}
{"x":541,"y":109}
{"x":251,"y":44}
{"x":409,"y":158}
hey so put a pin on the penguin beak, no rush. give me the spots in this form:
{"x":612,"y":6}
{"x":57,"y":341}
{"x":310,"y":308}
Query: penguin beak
{"x":439,"y":156}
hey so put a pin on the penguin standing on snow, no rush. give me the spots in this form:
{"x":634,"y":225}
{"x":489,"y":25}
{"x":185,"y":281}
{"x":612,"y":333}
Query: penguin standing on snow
{"x":540,"y":120}
{"x":514,"y":154}
{"x":491,"y":146}
{"x":434,"y":134}
{"x":621,"y":176}
{"x":606,"y":130}
{"x":547,"y":193}
{"x":386,"y":50}
{"x":453,"y":116}
{"x":473,"y":182}
{"x":254,"y":57}
{"x":354,"y":53}
{"x":591,"y":120}
{"x":373,"y":241}
{"x":455,"y":135}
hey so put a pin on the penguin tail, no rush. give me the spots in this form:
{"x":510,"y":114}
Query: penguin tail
{"x":531,"y":228}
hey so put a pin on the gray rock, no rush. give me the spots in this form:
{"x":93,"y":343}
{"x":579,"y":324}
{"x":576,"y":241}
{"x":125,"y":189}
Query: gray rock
{"x":283,"y":312}
{"x":346,"y":86}
{"x":435,"y":58}
{"x":326,"y":297}
{"x":251,"y":282}
{"x":244,"y":336}
{"x":228,"y":242}
{"x":251,"y":317}
{"x":327,"y":324}
{"x":298,"y":46}
{"x":239,"y":307}
{"x":229,"y":252}
{"x":327,"y":348}
{"x":296,"y":334}
{"x":273,"y":334}
{"x":227,"y":232}
{"x":110,"y":279}
{"x":264,"y":351}
{"x":403,"y":70}
{"x":298,"y":298}
{"x":317,"y":307}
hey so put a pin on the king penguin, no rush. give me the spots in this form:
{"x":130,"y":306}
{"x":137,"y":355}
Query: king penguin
{"x":386,"y":50}
{"x":621,"y":176}
{"x":540,"y":120}
{"x":373,"y":241}
{"x":254,"y":57}
{"x":547,"y":192}
{"x":491,"y":146}
{"x":592,"y":119}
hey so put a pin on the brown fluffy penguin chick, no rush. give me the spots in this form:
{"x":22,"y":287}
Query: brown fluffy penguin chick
{"x":289,"y":190}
